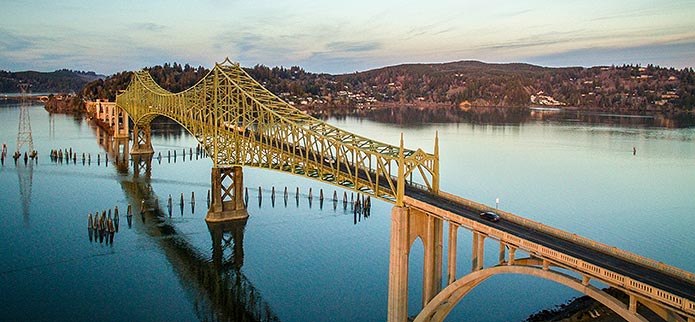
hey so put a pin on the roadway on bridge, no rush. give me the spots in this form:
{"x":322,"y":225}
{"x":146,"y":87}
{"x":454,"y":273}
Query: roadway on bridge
{"x":634,"y":271}
{"x":666,"y":282}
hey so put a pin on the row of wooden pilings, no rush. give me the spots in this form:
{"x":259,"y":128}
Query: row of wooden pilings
{"x":57,"y":156}
{"x":199,"y":153}
{"x":66,"y":155}
{"x":362,"y":204}
{"x":102,"y":227}
{"x":33,"y":155}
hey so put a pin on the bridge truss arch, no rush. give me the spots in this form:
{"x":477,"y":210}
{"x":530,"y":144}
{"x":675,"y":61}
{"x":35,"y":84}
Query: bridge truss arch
{"x":240,"y":123}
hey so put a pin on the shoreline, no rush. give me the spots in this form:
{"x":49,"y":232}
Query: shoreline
{"x":584,"y":308}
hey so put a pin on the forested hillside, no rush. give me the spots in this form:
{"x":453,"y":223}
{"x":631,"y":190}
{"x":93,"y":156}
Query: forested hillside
{"x":472,"y":83}
{"x":461,"y":84}
{"x":59,"y":81}
{"x":174,"y":78}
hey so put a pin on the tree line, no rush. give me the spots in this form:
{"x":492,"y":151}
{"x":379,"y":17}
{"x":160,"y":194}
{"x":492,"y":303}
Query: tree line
{"x":626,"y":87}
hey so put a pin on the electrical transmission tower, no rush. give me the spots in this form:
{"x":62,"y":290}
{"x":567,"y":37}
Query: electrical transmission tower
{"x":24,"y":130}
{"x":25,"y":175}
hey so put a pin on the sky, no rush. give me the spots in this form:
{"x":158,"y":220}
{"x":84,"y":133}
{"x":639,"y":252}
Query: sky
{"x":342,"y":36}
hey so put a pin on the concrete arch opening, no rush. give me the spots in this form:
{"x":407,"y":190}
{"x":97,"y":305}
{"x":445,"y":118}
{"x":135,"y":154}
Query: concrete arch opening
{"x":440,"y":306}
{"x":416,"y":272}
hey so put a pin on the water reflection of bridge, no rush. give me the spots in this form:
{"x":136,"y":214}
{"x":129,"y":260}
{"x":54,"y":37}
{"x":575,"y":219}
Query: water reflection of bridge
{"x":239,"y":123}
{"x":221,"y":290}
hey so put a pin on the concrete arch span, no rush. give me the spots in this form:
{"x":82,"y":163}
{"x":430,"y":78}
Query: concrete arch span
{"x":440,"y":306}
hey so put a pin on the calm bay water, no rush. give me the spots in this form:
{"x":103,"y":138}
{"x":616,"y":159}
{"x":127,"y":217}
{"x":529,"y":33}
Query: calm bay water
{"x":311,"y":262}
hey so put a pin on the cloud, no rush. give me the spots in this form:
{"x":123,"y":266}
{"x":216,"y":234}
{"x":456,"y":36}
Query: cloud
{"x":12,"y":42}
{"x":514,"y":13}
{"x":324,"y":62}
{"x":353,"y":46}
{"x":677,"y":55}
{"x":148,"y":26}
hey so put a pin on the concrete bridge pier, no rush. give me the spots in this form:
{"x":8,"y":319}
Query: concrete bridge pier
{"x":142,"y":140}
{"x":121,"y":127}
{"x":227,"y":195}
{"x":407,"y":225}
{"x":108,"y":119}
{"x":478,"y":251}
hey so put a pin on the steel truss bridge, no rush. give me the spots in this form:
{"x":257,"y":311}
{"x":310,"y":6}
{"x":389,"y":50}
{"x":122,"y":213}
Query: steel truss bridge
{"x":240,"y":123}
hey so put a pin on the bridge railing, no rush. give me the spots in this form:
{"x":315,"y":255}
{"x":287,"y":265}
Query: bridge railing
{"x":562,"y":259}
{"x":612,"y":250}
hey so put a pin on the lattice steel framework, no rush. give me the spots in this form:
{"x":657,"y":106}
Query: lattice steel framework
{"x":239,"y":122}
{"x":24,"y":128}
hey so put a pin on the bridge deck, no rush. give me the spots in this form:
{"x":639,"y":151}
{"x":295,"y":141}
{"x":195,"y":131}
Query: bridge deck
{"x":664,"y":281}
{"x":632,"y":270}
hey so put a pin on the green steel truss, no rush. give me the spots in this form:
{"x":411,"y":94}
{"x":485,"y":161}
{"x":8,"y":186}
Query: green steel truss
{"x":239,"y":122}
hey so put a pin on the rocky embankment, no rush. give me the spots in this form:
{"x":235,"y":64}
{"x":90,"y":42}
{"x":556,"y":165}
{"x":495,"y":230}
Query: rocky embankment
{"x":65,"y":104}
{"x":585,"y":308}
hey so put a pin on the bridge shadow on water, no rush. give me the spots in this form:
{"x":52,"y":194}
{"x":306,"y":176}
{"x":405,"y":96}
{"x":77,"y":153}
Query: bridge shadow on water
{"x":217,"y":285}
{"x":220,"y":289}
